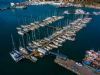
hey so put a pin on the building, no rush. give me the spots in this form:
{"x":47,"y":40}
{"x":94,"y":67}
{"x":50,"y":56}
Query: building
{"x":97,"y":1}
{"x":76,"y":1}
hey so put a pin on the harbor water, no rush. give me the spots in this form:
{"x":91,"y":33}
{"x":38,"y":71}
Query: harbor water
{"x":87,"y":38}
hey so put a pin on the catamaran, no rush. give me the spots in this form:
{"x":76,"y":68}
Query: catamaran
{"x":15,"y":54}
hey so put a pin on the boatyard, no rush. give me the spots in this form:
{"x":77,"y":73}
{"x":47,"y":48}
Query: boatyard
{"x":50,"y":37}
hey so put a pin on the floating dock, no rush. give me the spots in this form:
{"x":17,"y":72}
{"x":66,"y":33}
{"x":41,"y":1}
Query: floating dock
{"x":32,"y":26}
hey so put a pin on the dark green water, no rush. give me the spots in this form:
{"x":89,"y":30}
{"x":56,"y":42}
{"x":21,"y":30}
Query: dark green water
{"x":87,"y":38}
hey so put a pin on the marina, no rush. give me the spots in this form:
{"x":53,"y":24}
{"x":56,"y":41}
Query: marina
{"x":41,"y":47}
{"x":45,"y":30}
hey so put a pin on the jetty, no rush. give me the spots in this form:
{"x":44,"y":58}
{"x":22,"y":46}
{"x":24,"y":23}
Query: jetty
{"x":32,"y":26}
{"x":74,"y":66}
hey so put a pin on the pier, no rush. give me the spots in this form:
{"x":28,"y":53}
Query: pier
{"x":74,"y":66}
{"x":32,"y":26}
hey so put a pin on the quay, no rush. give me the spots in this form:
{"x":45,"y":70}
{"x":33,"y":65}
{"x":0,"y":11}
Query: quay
{"x":32,"y":26}
{"x":74,"y":66}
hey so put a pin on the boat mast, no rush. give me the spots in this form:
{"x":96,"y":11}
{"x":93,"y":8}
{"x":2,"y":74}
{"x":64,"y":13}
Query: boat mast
{"x":58,"y":52}
{"x":27,"y":37}
{"x":13,"y":42}
{"x":39,"y":33}
{"x":54,"y":13}
{"x":20,"y":43}
{"x":82,"y":16}
{"x":25,"y":21}
{"x":30,"y":19}
{"x":67,"y":22}
{"x":23,"y":41}
{"x":47,"y":32}
{"x":39,"y":18}
{"x":60,"y":24}
{"x":75,"y":17}
{"x":34,"y":36}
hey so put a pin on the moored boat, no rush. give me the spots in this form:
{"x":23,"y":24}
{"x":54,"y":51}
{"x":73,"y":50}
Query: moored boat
{"x":92,"y":60}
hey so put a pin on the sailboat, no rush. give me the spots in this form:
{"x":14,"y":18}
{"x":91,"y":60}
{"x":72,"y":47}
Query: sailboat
{"x":18,"y":5}
{"x":15,"y":54}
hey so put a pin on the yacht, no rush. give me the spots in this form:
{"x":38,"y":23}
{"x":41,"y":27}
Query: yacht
{"x":43,"y":51}
{"x":64,"y":36}
{"x":20,"y":32}
{"x":60,"y":39}
{"x":56,"y":43}
{"x":29,"y":48}
{"x":34,"y":59}
{"x":36,"y":43}
{"x":18,"y":5}
{"x":18,"y":28}
{"x":48,"y":48}
{"x":96,"y":13}
{"x":52,"y":45}
{"x":16,"y":55}
{"x":66,"y":12}
{"x":45,"y":48}
{"x":79,"y":11}
{"x":23,"y":50}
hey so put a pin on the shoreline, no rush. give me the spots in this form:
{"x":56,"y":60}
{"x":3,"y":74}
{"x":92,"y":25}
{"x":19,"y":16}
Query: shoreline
{"x":92,"y":6}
